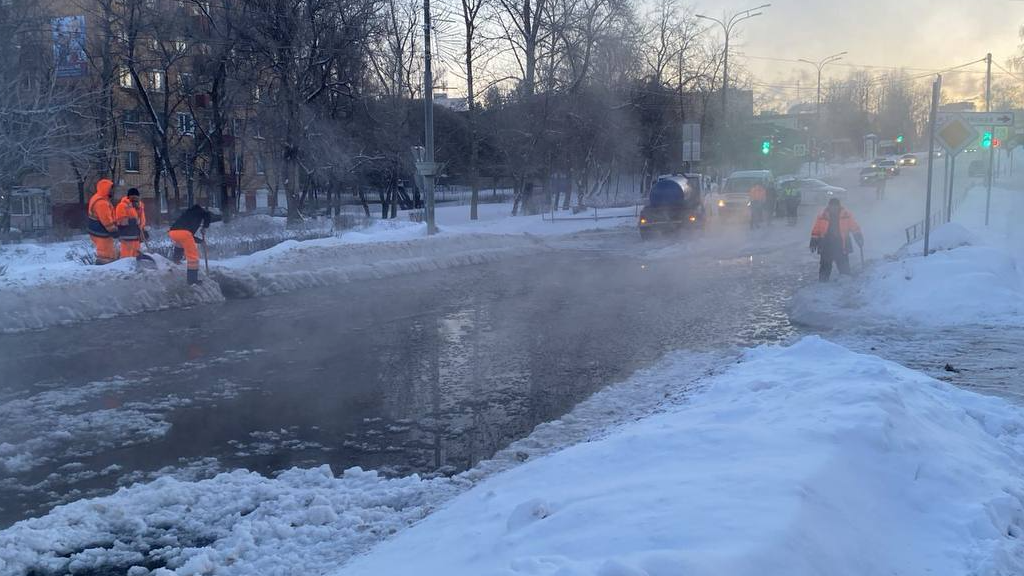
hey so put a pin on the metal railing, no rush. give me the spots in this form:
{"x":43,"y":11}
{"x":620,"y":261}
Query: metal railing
{"x":915,"y":231}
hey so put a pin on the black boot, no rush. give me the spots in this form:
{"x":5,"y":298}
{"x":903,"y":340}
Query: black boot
{"x":193,"y":277}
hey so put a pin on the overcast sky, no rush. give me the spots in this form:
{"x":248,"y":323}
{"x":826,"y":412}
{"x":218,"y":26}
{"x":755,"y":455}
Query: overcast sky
{"x":911,"y":33}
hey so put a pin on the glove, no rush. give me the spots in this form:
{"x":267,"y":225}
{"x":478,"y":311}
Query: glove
{"x":814,"y":245}
{"x":145,"y":235}
{"x":199,"y":240}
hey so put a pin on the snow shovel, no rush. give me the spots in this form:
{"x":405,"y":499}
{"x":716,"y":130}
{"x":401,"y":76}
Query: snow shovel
{"x":145,"y":260}
{"x":206,"y":256}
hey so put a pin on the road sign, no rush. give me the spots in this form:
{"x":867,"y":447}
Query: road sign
{"x":956,"y":134}
{"x":800,"y":150}
{"x":691,"y":142}
{"x":980,"y":118}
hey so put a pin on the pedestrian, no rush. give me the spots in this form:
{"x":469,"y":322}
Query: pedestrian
{"x":758,"y":199}
{"x":880,"y":181}
{"x":131,"y":223}
{"x":102,"y":226}
{"x":791,"y":199}
{"x":183,"y":234}
{"x":830,"y":238}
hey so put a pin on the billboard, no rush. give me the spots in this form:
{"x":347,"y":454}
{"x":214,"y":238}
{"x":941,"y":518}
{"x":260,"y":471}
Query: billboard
{"x":69,"y":46}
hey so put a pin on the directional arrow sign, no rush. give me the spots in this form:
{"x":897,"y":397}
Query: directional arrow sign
{"x":955,"y":134}
{"x":988,"y":118}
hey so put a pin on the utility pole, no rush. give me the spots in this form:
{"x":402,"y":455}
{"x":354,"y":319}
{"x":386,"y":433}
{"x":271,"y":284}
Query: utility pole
{"x":991,"y":149}
{"x":819,"y":65}
{"x":727,"y":26}
{"x":425,"y":165}
{"x":936,"y":90}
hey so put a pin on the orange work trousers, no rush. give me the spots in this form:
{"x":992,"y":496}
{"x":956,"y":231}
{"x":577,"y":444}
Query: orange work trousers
{"x":130,"y":248}
{"x":187,"y":242}
{"x":105,"y":250}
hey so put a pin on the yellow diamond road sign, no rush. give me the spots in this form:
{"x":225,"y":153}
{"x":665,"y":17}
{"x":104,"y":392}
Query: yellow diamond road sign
{"x":956,"y":134}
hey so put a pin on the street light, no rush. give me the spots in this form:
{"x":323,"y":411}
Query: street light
{"x":819,"y":65}
{"x":727,"y":26}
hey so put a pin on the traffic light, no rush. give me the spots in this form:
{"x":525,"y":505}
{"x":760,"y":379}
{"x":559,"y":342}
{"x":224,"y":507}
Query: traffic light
{"x":766,"y":147}
{"x":986,"y":140}
{"x":899,"y":139}
{"x":996,"y":142}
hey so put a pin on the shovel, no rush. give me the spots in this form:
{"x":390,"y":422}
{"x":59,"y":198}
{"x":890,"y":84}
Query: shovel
{"x":206,"y":257}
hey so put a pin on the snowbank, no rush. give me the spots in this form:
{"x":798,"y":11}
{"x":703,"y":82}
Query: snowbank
{"x":49,"y":285}
{"x":74,"y":292}
{"x":806,"y":460}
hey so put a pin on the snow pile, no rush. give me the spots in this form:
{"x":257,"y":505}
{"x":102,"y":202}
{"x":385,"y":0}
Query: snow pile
{"x":806,"y":460}
{"x":962,"y":282}
{"x":74,"y":292}
{"x":294,"y":265}
{"x":242,"y":522}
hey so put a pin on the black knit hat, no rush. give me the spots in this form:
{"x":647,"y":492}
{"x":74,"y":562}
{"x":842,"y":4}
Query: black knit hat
{"x":132,"y":192}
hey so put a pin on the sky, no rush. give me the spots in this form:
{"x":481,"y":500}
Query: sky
{"x":929,"y":34}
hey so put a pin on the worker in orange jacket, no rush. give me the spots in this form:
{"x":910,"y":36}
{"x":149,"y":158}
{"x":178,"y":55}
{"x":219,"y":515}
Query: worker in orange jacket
{"x":131,"y":223}
{"x":102,"y":225}
{"x":830,"y":238}
{"x":758,"y":204}
{"x":183,"y":234}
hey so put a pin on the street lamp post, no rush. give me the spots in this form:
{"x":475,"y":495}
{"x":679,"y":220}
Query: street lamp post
{"x":425,"y":165}
{"x":727,"y":26}
{"x":819,"y":65}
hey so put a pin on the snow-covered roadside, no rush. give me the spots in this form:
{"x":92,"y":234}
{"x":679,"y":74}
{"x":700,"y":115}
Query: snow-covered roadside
{"x":973,"y":276}
{"x":49,"y":285}
{"x":802,"y":460}
{"x":302,"y":521}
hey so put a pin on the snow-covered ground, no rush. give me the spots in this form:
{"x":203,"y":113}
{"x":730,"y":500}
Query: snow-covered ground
{"x":802,"y":460}
{"x":973,"y":276}
{"x":43,"y":285}
{"x":809,"y":459}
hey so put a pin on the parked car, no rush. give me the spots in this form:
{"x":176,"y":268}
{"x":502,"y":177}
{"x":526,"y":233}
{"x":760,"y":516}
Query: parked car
{"x":890,"y":166}
{"x":908,"y":160}
{"x":976,"y":169}
{"x":812,"y":190}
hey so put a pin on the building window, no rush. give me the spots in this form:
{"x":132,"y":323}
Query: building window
{"x":130,"y":120}
{"x":180,"y":46}
{"x":261,"y":167}
{"x":186,"y":81}
{"x":236,"y":127}
{"x":131,"y":161}
{"x":154,"y":44}
{"x":239,"y":163}
{"x":186,"y":124}
{"x":257,"y":93}
{"x":124,"y":77}
{"x":156,"y":80}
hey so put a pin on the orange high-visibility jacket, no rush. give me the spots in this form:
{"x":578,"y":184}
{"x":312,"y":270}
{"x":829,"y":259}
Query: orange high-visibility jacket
{"x":847,"y":226}
{"x":130,"y":220}
{"x":101,"y":211}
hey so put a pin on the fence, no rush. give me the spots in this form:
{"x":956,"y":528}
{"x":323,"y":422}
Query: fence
{"x":916,"y":230}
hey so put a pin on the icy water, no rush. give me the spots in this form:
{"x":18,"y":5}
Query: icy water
{"x":425,"y":374}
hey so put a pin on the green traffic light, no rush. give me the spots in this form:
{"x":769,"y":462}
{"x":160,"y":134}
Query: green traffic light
{"x":766,"y":147}
{"x":899,"y":138}
{"x":986,"y":140}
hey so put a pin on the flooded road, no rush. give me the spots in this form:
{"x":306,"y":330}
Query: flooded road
{"x":427,"y":373}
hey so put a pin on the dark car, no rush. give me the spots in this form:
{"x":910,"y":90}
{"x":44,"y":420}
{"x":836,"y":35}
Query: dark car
{"x":870,"y":176}
{"x":675,"y":203}
{"x":890,"y":166}
{"x":976,"y":169}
